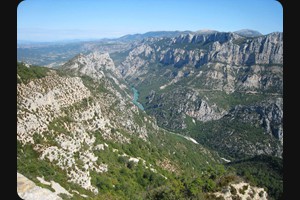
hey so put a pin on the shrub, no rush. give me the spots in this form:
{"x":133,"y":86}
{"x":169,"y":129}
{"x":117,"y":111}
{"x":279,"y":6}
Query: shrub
{"x":233,"y":190}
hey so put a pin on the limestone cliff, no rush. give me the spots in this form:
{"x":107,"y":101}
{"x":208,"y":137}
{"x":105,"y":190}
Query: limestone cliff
{"x":210,"y":77}
{"x":64,"y":111}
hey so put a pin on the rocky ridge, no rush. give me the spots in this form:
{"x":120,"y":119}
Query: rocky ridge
{"x":227,"y":53}
{"x":63,"y":106}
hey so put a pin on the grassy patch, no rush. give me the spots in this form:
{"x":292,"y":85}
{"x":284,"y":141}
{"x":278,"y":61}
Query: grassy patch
{"x":27,"y":74}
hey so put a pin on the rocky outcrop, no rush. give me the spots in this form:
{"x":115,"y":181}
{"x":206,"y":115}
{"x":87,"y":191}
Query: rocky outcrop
{"x":180,"y":103}
{"x":28,"y":190}
{"x":205,"y":38}
{"x":93,"y":65}
{"x":262,"y":50}
{"x":242,"y":190}
{"x":42,"y":100}
{"x":204,"y":112}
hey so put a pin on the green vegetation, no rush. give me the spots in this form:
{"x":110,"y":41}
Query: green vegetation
{"x":231,"y":138}
{"x":220,"y":98}
{"x":119,"y":57}
{"x":117,"y":87}
{"x":192,"y":177}
{"x":243,"y":189}
{"x":25,"y":74}
{"x":264,"y":171}
{"x":240,"y":41}
{"x":29,"y":164}
{"x":227,"y":101}
{"x":170,"y":166}
{"x":58,"y":124}
{"x":94,"y":86}
{"x":233,"y":190}
{"x":153,"y":81}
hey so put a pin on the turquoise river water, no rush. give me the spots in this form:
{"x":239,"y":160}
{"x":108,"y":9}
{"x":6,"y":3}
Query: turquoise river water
{"x":135,"y":98}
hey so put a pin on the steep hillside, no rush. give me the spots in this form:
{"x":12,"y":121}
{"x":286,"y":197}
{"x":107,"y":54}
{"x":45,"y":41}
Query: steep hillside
{"x":77,"y":129}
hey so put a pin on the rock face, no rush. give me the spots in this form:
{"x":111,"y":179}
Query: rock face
{"x":237,"y":61}
{"x":93,"y":65}
{"x":210,"y":77}
{"x":242,"y":191}
{"x":40,"y":103}
{"x":268,"y":114}
{"x":181,"y":103}
{"x":65,"y":112}
{"x":231,"y":55}
{"x":229,"y":129}
{"x":27,"y":190}
{"x":228,"y":48}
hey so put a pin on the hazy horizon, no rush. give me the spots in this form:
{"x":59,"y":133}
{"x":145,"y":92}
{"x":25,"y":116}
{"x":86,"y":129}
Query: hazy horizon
{"x":51,"y":20}
{"x":93,"y":39}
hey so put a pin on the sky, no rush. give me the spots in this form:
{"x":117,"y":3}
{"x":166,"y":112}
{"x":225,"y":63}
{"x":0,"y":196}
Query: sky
{"x":56,"y":20}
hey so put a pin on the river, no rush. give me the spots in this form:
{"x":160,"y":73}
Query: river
{"x":135,"y":98}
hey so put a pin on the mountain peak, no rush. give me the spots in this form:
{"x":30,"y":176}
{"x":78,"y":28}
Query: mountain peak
{"x":248,"y":33}
{"x":91,"y":64}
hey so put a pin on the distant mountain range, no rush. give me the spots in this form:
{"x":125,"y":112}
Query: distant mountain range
{"x":154,"y":34}
{"x":141,"y":36}
{"x":157,"y":34}
{"x":54,"y":54}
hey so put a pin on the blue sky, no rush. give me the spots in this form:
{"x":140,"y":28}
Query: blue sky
{"x":53,"y":20}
